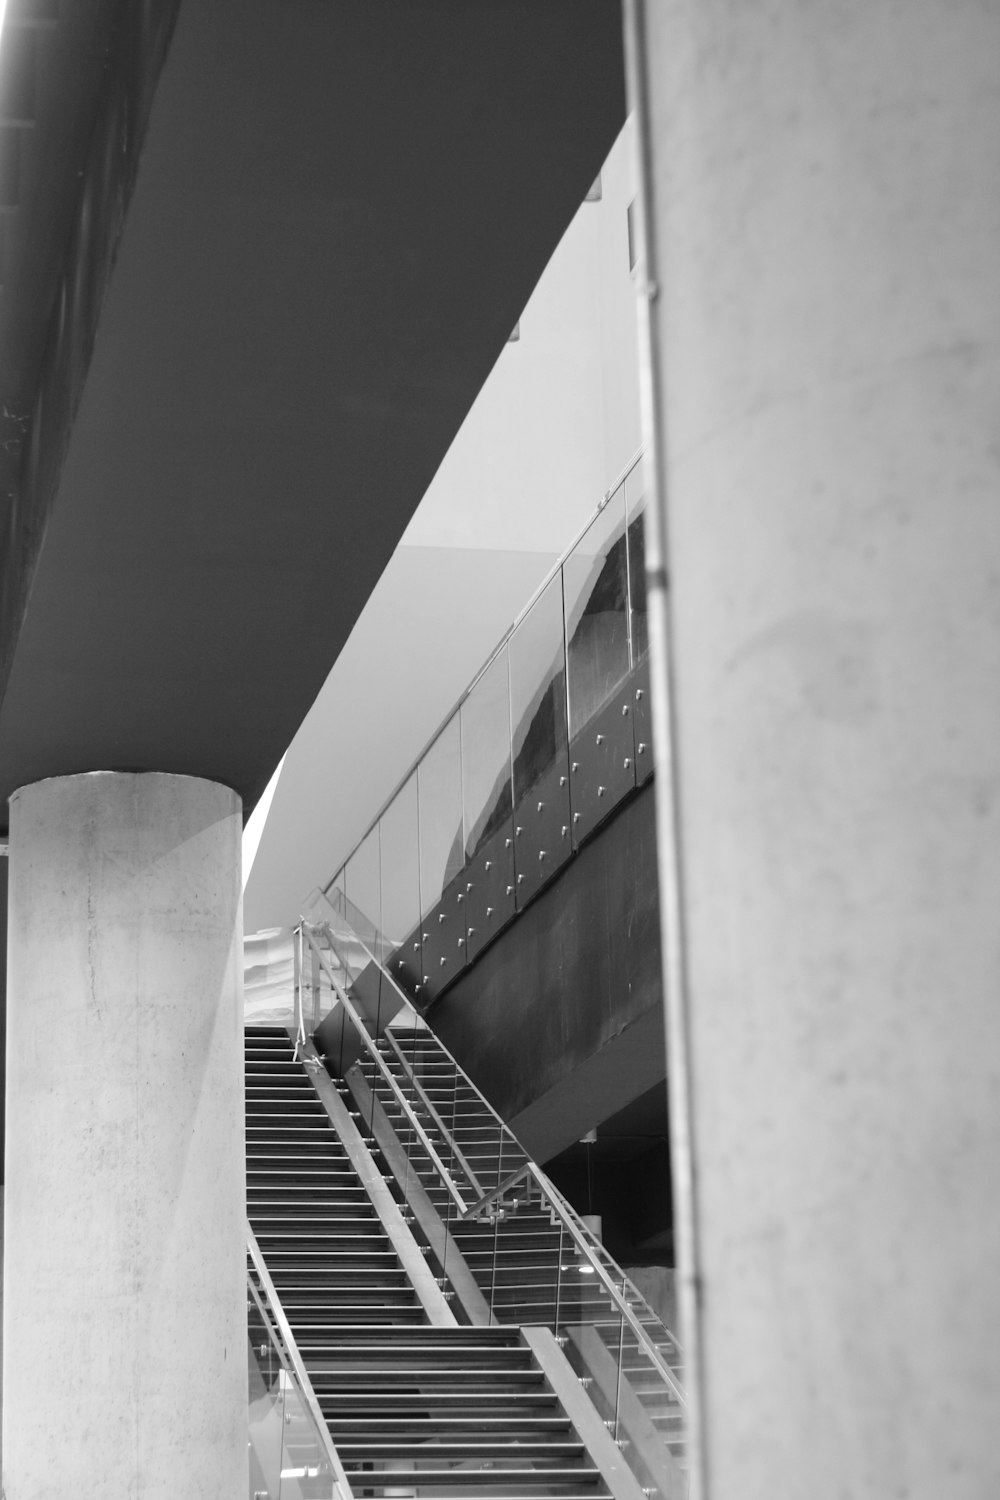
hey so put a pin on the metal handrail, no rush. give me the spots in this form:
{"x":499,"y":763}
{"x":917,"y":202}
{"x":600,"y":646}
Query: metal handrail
{"x":528,"y":1169}
{"x":380,"y":1062}
{"x":300,"y":1022}
{"x":556,"y":567}
{"x":501,"y":1189}
{"x":298,"y":1370}
{"x":431,"y":1110}
{"x":407,"y":1004}
{"x":578,"y":1234}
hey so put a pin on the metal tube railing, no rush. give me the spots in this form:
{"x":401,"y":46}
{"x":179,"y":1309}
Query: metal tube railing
{"x":407,"y":1005}
{"x":553,"y":572}
{"x":429,"y":1106}
{"x":526,"y":1171}
{"x":386,"y":1072}
{"x":273,"y":1313}
{"x":501,"y":1189}
{"x":579,"y":1237}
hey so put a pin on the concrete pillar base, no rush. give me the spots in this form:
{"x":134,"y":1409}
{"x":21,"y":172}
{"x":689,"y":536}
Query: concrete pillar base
{"x":125,"y":1307}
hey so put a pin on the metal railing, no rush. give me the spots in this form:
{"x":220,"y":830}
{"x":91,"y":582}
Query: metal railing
{"x":271,"y":1316}
{"x":309,"y":932}
{"x":627,"y":1301}
{"x":462,"y":829}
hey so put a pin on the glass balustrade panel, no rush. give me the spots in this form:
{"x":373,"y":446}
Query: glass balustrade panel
{"x":336,"y":891}
{"x":650,"y":1418}
{"x":595,"y":583}
{"x":439,"y":783}
{"x":363,"y":889}
{"x":305,"y":1469}
{"x":486,"y":777}
{"x":265,"y":1405}
{"x":636,"y":497}
{"x":442,"y":858}
{"x":364,"y":924}
{"x":537,"y":652}
{"x":486,"y":792}
{"x":400,"y":887}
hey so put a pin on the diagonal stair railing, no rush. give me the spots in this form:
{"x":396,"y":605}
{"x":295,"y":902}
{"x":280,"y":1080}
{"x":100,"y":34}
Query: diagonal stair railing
{"x":289,"y":1437}
{"x":415,"y":1404}
{"x":473,"y":1188}
{"x":533,"y":1257}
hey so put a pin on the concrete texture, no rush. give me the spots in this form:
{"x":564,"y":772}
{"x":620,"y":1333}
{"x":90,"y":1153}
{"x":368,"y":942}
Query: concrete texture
{"x":125,"y":1306}
{"x":828,"y":242}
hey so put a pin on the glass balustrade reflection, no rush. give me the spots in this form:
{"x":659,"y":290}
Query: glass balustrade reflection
{"x":498,"y":803}
{"x":400,"y":887}
{"x":363,"y":912}
{"x":363,"y":889}
{"x":336,"y":891}
{"x":442,"y":857}
{"x":486,"y":788}
{"x":488,"y":896}
{"x":636,"y":497}
{"x":288,"y":1460}
{"x":595,"y":583}
{"x":265,"y":1407}
{"x":537,"y":654}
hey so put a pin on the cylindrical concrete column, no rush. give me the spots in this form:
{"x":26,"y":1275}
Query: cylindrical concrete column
{"x":825,"y":325}
{"x":125,"y":1274}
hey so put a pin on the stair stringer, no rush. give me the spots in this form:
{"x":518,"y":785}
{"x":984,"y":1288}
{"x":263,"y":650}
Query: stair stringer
{"x":425,"y":1286}
{"x":432,"y":1226}
{"x":581,"y":1411}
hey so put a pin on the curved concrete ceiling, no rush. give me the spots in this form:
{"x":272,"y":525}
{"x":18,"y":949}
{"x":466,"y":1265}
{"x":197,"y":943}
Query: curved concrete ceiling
{"x":338,"y":213}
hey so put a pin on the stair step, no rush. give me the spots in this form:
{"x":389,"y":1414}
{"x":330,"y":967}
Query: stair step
{"x":351,"y":1451}
{"x":534,"y":1481}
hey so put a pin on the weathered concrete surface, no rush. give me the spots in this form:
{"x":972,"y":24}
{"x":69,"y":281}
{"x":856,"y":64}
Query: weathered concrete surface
{"x":125,"y":1305}
{"x":828,"y":227}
